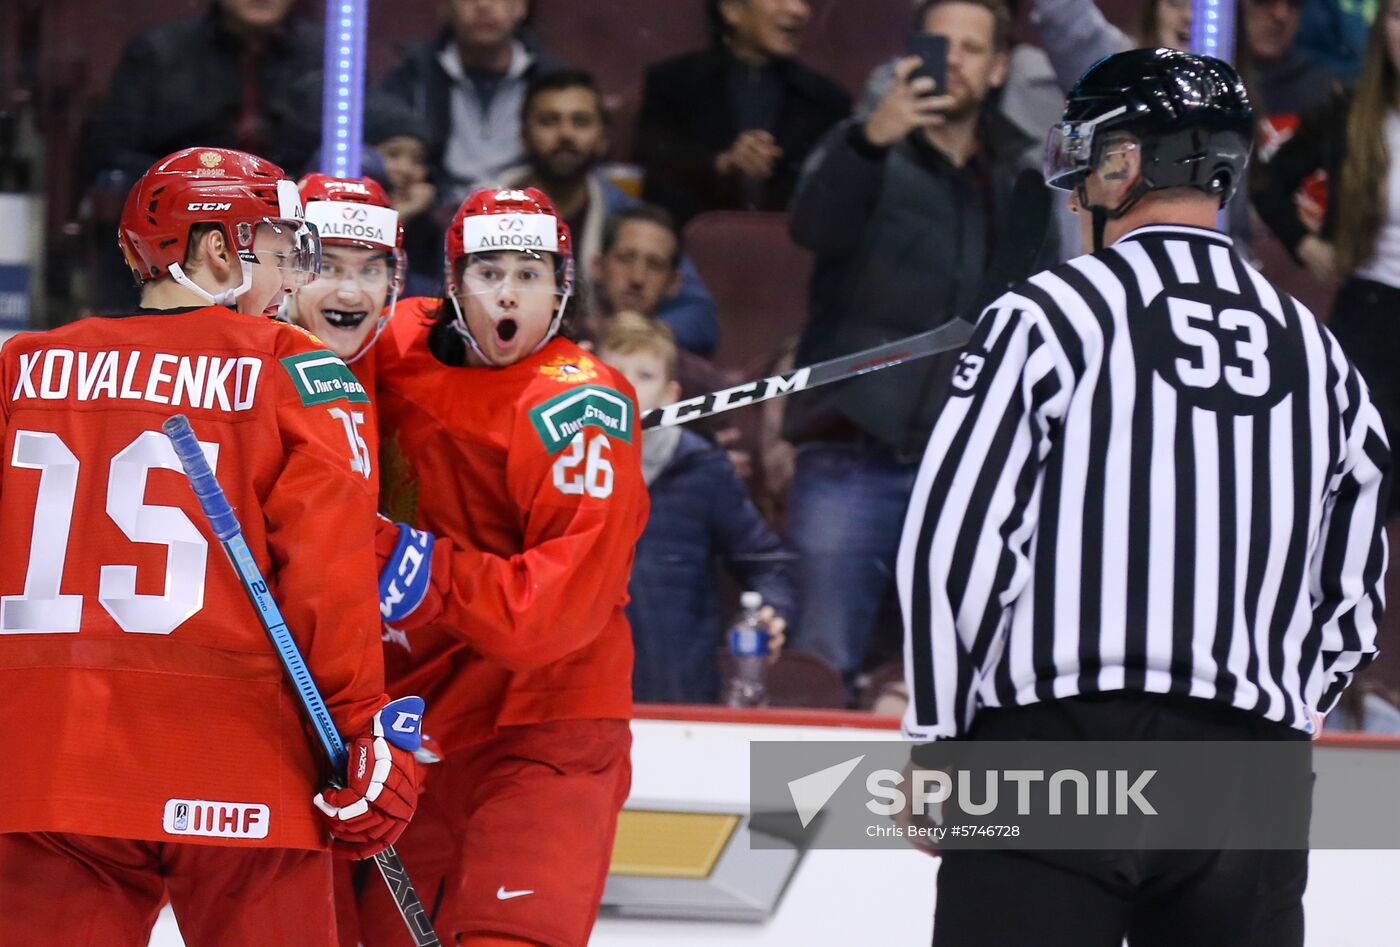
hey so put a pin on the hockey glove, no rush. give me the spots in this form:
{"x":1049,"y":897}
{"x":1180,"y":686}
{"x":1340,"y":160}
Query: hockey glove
{"x":411,"y":589}
{"x":381,"y":783}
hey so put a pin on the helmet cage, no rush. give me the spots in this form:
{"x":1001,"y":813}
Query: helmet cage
{"x":563,"y":288}
{"x":358,"y":213}
{"x":516,"y":220}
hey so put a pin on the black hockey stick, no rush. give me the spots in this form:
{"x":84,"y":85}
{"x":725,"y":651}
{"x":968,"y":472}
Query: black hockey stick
{"x":1029,"y":214}
{"x":224,"y":523}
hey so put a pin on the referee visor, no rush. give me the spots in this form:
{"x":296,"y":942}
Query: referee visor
{"x":1069,"y":149}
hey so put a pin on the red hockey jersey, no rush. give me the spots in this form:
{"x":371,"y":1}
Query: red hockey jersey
{"x":533,"y":471}
{"x":142,"y":697}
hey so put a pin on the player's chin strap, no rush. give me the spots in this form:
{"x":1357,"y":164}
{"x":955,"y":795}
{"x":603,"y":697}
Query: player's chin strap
{"x":1101,"y":215}
{"x":378,"y":329}
{"x":459,"y":325}
{"x":228,"y":297}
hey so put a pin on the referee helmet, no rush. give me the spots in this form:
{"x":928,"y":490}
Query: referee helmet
{"x":1189,"y":115}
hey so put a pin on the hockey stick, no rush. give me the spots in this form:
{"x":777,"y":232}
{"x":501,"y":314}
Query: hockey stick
{"x":953,"y":334}
{"x":224,"y":523}
{"x":1030,"y":202}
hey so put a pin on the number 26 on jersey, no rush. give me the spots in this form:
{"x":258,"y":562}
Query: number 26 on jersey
{"x":584,"y":468}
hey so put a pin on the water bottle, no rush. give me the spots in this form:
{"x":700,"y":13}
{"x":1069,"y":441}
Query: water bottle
{"x":748,"y":645}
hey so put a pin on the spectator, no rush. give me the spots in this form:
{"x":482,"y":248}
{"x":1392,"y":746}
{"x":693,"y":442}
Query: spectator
{"x":900,"y":211}
{"x":1334,"y":33}
{"x":728,"y":128}
{"x":244,"y":75}
{"x":699,"y":511}
{"x":468,"y":85}
{"x":1030,"y":97}
{"x":400,"y":138}
{"x":1075,"y":34}
{"x":1285,"y":81}
{"x":1352,"y":141}
{"x":564,"y":135}
{"x":636,"y":272}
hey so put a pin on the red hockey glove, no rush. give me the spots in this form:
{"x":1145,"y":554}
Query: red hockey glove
{"x":414,"y":575}
{"x":381,"y":785}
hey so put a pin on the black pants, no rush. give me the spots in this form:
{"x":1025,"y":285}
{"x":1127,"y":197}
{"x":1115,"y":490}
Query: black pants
{"x":1366,"y":322}
{"x":1096,"y":899}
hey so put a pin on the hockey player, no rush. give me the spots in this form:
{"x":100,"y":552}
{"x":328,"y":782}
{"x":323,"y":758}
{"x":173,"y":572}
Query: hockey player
{"x":522,"y":453}
{"x":156,"y":750}
{"x":362,"y":263}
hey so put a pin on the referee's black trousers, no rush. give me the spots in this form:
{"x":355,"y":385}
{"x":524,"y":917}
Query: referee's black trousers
{"x":1096,"y":899}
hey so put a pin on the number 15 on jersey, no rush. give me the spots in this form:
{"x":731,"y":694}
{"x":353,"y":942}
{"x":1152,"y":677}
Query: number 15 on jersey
{"x":43,"y":608}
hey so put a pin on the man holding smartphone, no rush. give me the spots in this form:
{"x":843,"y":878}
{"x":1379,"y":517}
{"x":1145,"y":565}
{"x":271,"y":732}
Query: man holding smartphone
{"x":903,"y":208}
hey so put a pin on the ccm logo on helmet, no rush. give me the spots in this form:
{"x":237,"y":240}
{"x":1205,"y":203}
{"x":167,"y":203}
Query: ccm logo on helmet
{"x":209,"y":206}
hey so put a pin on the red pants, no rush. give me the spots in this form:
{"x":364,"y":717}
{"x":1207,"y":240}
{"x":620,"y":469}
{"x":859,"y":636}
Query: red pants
{"x":89,"y":891}
{"x":511,"y":837}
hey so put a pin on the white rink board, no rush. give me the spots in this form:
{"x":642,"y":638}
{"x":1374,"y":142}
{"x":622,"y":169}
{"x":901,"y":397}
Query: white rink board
{"x":887,"y":898}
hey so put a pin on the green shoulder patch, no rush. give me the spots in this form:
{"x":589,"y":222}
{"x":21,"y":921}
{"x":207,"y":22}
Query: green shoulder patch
{"x":561,"y":417}
{"x":321,"y":377}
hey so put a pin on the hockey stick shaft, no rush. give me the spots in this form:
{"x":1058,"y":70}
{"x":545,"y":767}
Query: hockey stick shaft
{"x":1029,"y":214}
{"x":946,"y":338}
{"x":224,"y":523}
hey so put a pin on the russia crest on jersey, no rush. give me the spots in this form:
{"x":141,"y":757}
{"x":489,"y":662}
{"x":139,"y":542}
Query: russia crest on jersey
{"x":570,"y":368}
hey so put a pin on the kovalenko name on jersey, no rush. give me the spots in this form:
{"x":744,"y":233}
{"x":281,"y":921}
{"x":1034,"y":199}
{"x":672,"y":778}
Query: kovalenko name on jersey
{"x":195,"y":381}
{"x":215,"y":819}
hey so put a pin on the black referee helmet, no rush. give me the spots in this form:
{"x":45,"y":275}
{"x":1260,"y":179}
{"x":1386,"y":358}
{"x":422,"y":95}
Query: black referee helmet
{"x":1189,"y":114}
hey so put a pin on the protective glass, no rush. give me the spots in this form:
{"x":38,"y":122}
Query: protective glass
{"x":373,"y":276}
{"x":1069,"y":150}
{"x":303,"y":260}
{"x":512,"y":271}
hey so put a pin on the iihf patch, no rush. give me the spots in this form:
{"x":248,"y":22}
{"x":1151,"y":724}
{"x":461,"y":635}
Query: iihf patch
{"x":215,"y":819}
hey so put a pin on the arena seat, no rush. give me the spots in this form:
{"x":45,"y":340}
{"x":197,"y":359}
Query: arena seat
{"x":616,"y":40}
{"x":846,"y":40}
{"x":758,"y":278}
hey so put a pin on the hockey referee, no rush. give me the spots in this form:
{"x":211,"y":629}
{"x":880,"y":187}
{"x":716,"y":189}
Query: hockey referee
{"x":1152,"y":509}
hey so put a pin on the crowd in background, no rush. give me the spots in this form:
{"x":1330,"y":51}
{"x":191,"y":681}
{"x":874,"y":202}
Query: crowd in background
{"x":896,"y":196}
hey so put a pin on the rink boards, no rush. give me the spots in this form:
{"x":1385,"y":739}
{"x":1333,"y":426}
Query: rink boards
{"x":695,"y":761}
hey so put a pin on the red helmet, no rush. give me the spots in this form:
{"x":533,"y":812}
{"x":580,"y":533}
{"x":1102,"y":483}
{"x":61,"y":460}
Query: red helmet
{"x":514,"y":230}
{"x":519,"y":219}
{"x":355,"y":212}
{"x":232,"y":189}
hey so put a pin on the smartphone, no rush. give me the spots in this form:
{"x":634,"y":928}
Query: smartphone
{"x":933,"y":50}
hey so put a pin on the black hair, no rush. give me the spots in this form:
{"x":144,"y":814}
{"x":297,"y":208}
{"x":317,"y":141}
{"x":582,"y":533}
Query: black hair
{"x":719,"y":30}
{"x":558,"y":80}
{"x":648,"y":213}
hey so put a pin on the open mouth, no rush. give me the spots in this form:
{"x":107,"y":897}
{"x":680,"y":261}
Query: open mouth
{"x":345,"y":318}
{"x":506,"y":329}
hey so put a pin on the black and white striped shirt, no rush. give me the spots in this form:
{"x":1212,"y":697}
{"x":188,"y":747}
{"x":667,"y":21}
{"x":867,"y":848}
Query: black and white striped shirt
{"x":1155,"y":473}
